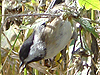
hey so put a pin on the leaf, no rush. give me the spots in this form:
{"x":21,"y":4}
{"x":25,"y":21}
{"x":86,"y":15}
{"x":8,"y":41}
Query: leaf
{"x":94,"y":4}
{"x":33,"y":1}
{"x":29,"y":6}
{"x":57,"y":58}
{"x":87,"y":26}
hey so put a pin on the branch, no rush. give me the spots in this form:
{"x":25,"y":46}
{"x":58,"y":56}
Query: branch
{"x":43,"y":15}
{"x":51,"y":5}
{"x":7,"y":40}
{"x":97,"y":22}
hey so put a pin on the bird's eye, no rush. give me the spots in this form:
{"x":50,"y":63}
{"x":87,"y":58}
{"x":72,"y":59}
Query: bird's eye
{"x":44,"y":24}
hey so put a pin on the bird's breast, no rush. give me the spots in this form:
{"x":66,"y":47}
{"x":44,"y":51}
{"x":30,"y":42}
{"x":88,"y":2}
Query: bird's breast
{"x":57,"y":36}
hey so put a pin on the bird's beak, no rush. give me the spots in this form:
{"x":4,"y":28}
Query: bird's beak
{"x":21,"y":64}
{"x":21,"y":67}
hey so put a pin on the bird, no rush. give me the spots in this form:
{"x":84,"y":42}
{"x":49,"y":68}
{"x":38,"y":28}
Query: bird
{"x":46,"y":41}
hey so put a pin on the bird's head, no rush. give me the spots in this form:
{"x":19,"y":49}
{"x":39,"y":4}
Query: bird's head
{"x":34,"y":48}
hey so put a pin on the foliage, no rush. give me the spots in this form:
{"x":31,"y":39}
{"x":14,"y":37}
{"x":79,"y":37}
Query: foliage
{"x":90,"y":4}
{"x":80,"y":53}
{"x":87,"y":26}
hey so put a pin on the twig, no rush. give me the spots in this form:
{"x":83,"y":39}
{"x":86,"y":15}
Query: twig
{"x":35,"y":14}
{"x":4,"y":49}
{"x":50,"y":6}
{"x":4,"y":15}
{"x":97,"y":22}
{"x":80,"y":37}
{"x":10,"y":50}
{"x":7,"y":39}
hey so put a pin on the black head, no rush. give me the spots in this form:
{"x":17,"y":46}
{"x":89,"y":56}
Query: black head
{"x":59,"y":1}
{"x":25,"y":48}
{"x":34,"y":48}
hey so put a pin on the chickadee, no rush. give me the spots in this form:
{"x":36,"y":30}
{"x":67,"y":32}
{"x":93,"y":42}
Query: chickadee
{"x":46,"y":41}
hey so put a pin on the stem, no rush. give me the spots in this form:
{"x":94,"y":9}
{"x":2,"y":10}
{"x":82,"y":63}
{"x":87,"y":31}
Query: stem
{"x":25,"y":71}
{"x":80,"y":36}
{"x":92,"y":16}
{"x":36,"y":72}
{"x":11,"y":50}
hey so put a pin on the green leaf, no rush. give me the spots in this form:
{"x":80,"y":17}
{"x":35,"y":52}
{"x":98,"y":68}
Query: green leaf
{"x":29,"y":6}
{"x":33,"y":1}
{"x":25,"y":71}
{"x":94,"y":4}
{"x":87,"y":26}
